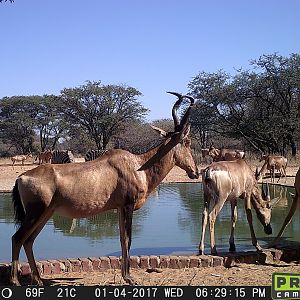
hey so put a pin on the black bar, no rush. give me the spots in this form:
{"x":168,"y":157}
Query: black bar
{"x":135,"y":292}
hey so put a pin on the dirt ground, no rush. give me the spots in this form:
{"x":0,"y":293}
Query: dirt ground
{"x":241,"y":274}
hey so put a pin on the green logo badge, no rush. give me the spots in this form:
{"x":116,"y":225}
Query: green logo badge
{"x":285,"y":286}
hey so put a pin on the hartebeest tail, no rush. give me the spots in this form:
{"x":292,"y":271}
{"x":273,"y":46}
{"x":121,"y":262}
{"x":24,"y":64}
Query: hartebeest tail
{"x":18,"y":206}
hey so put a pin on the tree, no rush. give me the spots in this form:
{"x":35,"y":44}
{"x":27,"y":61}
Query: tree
{"x":17,"y":120}
{"x":101,"y":110}
{"x":260,"y":106}
{"x":49,"y":122}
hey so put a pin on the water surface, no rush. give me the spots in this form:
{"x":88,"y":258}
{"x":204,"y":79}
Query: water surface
{"x":169,"y":223}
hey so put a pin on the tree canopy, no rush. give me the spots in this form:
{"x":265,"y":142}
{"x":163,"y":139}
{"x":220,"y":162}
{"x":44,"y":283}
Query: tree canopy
{"x":102,"y":111}
{"x":87,"y":116}
{"x":260,"y":106}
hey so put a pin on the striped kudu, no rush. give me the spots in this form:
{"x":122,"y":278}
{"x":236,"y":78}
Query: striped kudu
{"x":118,"y":180}
{"x":227,"y":181}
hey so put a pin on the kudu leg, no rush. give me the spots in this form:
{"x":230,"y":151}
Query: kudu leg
{"x":125,"y":226}
{"x":18,"y":240}
{"x":249,"y":219}
{"x":233,"y":222}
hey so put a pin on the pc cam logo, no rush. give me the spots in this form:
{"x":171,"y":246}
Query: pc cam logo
{"x":285,"y":286}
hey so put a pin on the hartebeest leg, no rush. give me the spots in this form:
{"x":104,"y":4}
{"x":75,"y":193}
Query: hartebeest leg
{"x":35,"y":278}
{"x":204,"y":223}
{"x":287,"y":219}
{"x":125,"y":225}
{"x":249,"y":219}
{"x":212,"y":219}
{"x":233,"y":222}
{"x":19,"y":238}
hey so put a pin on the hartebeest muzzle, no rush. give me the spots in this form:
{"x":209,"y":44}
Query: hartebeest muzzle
{"x":193,"y":174}
{"x":268,"y":229}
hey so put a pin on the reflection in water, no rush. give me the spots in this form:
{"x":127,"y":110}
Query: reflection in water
{"x":169,"y":223}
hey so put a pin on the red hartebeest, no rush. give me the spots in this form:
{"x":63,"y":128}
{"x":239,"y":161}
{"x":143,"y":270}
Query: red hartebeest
{"x":226,"y":181}
{"x":117,"y":180}
{"x":272,"y":163}
{"x":225,"y":154}
{"x":292,"y":210}
{"x":44,"y":157}
{"x":20,"y":158}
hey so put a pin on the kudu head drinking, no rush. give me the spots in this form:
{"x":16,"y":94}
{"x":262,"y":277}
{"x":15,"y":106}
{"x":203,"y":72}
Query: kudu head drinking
{"x":178,"y":140}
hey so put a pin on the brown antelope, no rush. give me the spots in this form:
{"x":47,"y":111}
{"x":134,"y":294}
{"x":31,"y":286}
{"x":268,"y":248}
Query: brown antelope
{"x":20,"y":158}
{"x":44,"y":157}
{"x":272,"y":163}
{"x":204,"y":152}
{"x":117,"y":180}
{"x":225,"y":154}
{"x":226,"y":181}
{"x":292,"y":210}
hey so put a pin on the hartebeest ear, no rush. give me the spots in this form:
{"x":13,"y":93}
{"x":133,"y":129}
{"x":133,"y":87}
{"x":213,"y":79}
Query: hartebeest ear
{"x":160,"y":131}
{"x":185,"y":131}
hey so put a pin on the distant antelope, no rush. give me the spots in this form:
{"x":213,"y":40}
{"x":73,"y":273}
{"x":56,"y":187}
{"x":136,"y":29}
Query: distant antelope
{"x":44,"y":157}
{"x":20,"y":158}
{"x":292,"y":210}
{"x":225,"y":154}
{"x":118,"y":180}
{"x":227,"y":181}
{"x":272,"y":163}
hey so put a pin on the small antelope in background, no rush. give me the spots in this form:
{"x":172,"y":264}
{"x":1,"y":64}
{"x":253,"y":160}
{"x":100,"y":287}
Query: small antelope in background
{"x":44,"y":157}
{"x":20,"y":158}
{"x":272,"y":163}
{"x":118,"y":180}
{"x":292,"y":210}
{"x":225,"y":154}
{"x":227,"y":181}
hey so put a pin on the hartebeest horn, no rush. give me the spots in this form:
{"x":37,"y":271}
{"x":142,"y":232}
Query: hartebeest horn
{"x":174,"y":110}
{"x":257,"y":174}
{"x":187,"y":113}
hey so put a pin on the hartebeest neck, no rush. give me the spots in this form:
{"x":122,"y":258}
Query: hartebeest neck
{"x":257,"y":200}
{"x":160,"y":167}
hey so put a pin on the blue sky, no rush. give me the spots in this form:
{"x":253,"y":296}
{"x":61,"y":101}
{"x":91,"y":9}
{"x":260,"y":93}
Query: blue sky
{"x":154,"y":46}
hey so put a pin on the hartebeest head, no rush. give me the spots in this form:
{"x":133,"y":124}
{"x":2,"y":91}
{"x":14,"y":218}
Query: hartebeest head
{"x":178,"y":140}
{"x":263,"y":212}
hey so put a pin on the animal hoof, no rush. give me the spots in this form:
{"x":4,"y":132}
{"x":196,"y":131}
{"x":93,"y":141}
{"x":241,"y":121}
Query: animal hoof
{"x":232,"y":248}
{"x":37,"y":282}
{"x":258,"y":249}
{"x":15,"y":283}
{"x":213,"y":251}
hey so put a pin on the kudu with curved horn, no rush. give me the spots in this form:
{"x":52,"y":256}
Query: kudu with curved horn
{"x":227,"y":181}
{"x":117,"y":180}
